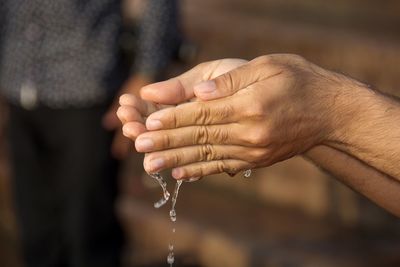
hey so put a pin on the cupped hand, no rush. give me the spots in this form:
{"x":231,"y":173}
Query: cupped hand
{"x":134,"y":110}
{"x":258,"y":113}
{"x":122,"y":146}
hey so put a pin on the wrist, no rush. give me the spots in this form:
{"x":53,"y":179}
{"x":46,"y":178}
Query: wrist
{"x":350,"y":103}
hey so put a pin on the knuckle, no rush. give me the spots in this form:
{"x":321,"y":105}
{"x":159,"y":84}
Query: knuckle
{"x":176,"y":159}
{"x":258,"y":137}
{"x":219,"y":135}
{"x":201,"y":135}
{"x":168,"y":117}
{"x":202,"y":114}
{"x":224,"y":112}
{"x":208,"y":153}
{"x":166,"y":141}
{"x":227,"y":82}
{"x":259,"y":155}
{"x":221,"y":166}
{"x":256,"y":110}
{"x":172,"y":120}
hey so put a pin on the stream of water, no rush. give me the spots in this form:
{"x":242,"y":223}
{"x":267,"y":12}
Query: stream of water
{"x":172,"y":213}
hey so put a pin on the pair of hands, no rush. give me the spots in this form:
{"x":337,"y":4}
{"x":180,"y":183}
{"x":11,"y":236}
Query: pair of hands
{"x":231,"y":115}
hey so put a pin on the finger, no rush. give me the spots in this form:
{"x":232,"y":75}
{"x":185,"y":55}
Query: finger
{"x":133,"y":129}
{"x":232,"y":134}
{"x":211,"y":167}
{"x":143,"y":107}
{"x":237,"y":79}
{"x":128,"y":114}
{"x":167,"y":159}
{"x":195,"y":113}
{"x":180,"y":89}
{"x":168,"y":92}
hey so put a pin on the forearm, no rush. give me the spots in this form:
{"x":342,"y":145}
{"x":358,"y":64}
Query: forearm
{"x":366,"y":126}
{"x":380,"y":188}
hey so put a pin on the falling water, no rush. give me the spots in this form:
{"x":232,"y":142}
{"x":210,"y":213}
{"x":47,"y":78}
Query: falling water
{"x":172,"y":216}
{"x":172,"y":212}
{"x":171,"y":256}
{"x":163,"y":185}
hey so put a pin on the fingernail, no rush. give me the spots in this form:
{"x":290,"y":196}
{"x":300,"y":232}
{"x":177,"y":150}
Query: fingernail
{"x":144,"y":144}
{"x":153,"y":125}
{"x":205,"y":87}
{"x":177,"y":173}
{"x":156,"y":164}
{"x":127,"y":130}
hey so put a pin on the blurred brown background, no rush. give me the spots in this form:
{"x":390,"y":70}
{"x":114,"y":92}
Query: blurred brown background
{"x":290,"y":214}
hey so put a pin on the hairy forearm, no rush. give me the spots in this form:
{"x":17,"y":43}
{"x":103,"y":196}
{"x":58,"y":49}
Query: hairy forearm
{"x":377,"y":186}
{"x":367,"y":127}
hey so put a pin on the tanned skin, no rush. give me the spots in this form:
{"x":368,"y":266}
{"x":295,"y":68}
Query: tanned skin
{"x":244,"y":115}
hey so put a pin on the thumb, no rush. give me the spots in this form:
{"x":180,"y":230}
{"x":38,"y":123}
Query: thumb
{"x":175,"y":90}
{"x":226,"y":84}
{"x":167,"y":92}
{"x":180,"y":89}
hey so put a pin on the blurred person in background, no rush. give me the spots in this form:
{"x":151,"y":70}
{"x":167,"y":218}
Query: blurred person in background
{"x":60,"y":72}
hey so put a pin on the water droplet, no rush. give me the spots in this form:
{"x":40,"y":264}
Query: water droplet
{"x":160,"y":203}
{"x":247,"y":173}
{"x":163,"y":185}
{"x":171,"y":258}
{"x":172,"y":212}
{"x":172,"y":215}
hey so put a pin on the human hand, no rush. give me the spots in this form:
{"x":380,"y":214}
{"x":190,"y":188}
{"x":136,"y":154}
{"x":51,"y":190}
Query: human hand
{"x":134,"y":110}
{"x":262,"y":112}
{"x":121,"y":146}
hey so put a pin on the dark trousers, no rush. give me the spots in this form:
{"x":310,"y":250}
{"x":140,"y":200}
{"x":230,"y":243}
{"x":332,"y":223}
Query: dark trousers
{"x":65,"y":184}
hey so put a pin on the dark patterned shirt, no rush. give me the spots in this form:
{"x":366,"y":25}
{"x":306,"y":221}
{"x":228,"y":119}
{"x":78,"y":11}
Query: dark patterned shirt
{"x":64,"y":53}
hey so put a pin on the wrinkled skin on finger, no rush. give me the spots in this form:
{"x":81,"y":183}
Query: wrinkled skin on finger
{"x":133,"y":110}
